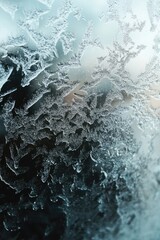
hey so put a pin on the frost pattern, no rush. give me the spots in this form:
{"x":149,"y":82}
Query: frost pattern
{"x":79,"y":104}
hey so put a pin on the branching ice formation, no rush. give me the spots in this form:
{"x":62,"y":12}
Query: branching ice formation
{"x":79,"y":120}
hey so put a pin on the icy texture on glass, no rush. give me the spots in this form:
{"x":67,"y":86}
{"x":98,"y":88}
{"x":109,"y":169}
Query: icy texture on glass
{"x":79,"y":119}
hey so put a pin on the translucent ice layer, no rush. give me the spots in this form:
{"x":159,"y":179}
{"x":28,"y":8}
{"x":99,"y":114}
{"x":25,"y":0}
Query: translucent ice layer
{"x":79,"y":119}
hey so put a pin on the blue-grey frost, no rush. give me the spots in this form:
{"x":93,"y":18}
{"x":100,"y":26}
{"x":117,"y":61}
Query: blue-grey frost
{"x":80,"y":119}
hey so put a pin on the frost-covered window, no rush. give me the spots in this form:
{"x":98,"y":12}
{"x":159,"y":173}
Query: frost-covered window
{"x":79,"y":119}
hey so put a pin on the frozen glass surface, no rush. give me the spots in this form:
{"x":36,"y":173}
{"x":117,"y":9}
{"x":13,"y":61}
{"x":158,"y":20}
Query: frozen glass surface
{"x":79,"y":119}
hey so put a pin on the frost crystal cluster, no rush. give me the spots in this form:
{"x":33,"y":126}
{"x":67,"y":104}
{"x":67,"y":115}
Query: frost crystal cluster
{"x":79,"y":120}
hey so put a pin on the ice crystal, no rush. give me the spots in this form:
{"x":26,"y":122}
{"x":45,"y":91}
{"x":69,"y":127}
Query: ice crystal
{"x":79,"y":120}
